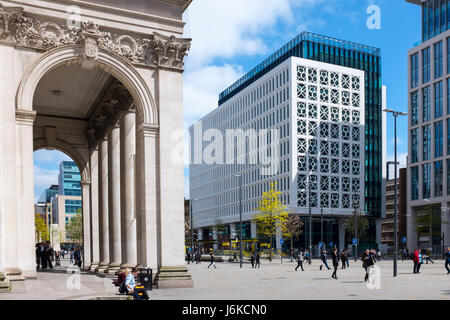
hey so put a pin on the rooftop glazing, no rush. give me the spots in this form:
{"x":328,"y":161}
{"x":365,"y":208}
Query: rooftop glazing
{"x":271,"y":61}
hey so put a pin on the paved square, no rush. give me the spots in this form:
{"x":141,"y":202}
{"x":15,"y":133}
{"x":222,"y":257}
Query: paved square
{"x":272,"y":281}
{"x":280,"y":282}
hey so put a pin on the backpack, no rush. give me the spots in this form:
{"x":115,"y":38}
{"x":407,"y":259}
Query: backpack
{"x":122,"y":287}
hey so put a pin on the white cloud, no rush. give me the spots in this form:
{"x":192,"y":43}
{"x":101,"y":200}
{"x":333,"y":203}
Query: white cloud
{"x":50,"y":156}
{"x":43,"y":178}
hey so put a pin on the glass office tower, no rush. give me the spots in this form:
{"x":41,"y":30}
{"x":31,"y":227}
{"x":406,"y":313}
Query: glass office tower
{"x":429,"y":130}
{"x":69,"y":179}
{"x":343,"y":53}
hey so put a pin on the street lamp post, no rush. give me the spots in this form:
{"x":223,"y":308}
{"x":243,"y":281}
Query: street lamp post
{"x":321,"y":229}
{"x":395,"y":114}
{"x":356,"y":230}
{"x":310,"y":220}
{"x":240,"y":218}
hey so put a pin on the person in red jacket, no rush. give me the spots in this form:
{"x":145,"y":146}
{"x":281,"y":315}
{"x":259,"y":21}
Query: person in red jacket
{"x":416,"y":261}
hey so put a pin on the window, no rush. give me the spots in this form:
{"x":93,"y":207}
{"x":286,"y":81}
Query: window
{"x":438,"y":100}
{"x":426,"y":142}
{"x":438,"y":60}
{"x":426,"y":175}
{"x":414,"y":70}
{"x":438,"y":139}
{"x":426,"y":104}
{"x":414,"y":108}
{"x":426,"y":69}
{"x":448,"y":47}
{"x":414,"y":183}
{"x":438,"y":178}
{"x":414,"y":146}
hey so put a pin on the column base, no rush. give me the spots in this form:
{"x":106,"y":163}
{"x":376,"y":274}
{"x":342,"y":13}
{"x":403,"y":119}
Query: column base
{"x":5,"y":285}
{"x":93,"y":266}
{"x":173,"y":277}
{"x":102,"y":266}
{"x":14,"y":274}
{"x":113,"y":268}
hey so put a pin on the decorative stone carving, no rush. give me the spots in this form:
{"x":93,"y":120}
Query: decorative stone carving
{"x":155,"y":50}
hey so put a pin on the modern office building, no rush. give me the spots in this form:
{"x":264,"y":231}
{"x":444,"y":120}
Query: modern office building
{"x":324,"y":98}
{"x":429,"y":129}
{"x":387,"y":223}
{"x":45,"y":202}
{"x":69,"y":179}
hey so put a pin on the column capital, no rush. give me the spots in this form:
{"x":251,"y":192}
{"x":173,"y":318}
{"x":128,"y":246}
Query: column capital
{"x":25,"y":117}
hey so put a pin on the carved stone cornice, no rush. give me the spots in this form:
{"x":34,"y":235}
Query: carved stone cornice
{"x":107,"y":114}
{"x":154,"y":50}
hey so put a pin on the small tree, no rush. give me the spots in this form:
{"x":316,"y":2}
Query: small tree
{"x":292,"y":228}
{"x":42,"y":233}
{"x":74,"y":229}
{"x":272,"y":214}
{"x":362,"y":226}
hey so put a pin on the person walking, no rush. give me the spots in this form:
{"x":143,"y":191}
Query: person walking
{"x":343,"y":259}
{"x":447,"y":260}
{"x":420,"y":260}
{"x":39,"y":255}
{"x":252,"y":259}
{"x":323,"y":258}
{"x":307,"y":256}
{"x":335,"y":258}
{"x":234,"y":257}
{"x":77,"y":257}
{"x":299,"y":261}
{"x":189,"y":256}
{"x":213,"y":260}
{"x":416,"y":261}
{"x":367,"y":260}
{"x":48,"y":254}
{"x":348,"y":255}
{"x":257,"y":259}
{"x":71,"y":255}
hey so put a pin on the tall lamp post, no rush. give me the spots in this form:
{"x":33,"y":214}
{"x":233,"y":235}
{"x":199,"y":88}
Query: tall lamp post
{"x":192,"y":229}
{"x":240,"y":218}
{"x":310,"y":220}
{"x":395,"y":114}
{"x":355,"y":204}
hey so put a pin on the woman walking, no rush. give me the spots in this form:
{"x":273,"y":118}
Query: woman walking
{"x":335,"y":258}
{"x":299,"y":261}
{"x":213,"y":260}
{"x":367,"y":260}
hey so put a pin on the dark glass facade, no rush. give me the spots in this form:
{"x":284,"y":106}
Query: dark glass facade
{"x":435,"y":18}
{"x":348,"y":54}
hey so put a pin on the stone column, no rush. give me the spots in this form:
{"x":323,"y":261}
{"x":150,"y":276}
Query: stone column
{"x":147,"y":196}
{"x":85,"y":192}
{"x":95,"y":240}
{"x":127,"y":182}
{"x":25,"y":192}
{"x":9,"y":229}
{"x":115,"y":244}
{"x":172,"y":271}
{"x":103,"y":206}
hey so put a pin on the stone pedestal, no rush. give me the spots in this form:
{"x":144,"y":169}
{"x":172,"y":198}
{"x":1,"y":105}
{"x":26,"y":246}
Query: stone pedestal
{"x":5,"y":285}
{"x":14,"y":274}
{"x":174,"y":277}
{"x":102,"y":266}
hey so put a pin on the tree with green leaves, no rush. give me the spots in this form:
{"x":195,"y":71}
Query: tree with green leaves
{"x":272,"y":214}
{"x":42,"y":233}
{"x":362,"y":225}
{"x":74,"y":229}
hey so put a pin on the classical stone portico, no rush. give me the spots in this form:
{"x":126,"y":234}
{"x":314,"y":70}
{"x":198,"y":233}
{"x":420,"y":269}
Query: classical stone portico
{"x":107,"y":92}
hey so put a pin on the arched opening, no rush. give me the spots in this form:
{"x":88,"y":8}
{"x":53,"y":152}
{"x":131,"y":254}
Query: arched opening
{"x":58,"y":208}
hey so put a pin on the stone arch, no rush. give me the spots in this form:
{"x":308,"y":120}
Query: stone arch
{"x":111,"y":63}
{"x":70,"y":151}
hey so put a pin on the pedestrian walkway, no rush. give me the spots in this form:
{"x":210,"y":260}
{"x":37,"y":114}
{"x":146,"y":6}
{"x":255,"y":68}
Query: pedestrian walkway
{"x":272,"y":281}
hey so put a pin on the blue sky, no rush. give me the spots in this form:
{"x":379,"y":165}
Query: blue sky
{"x":231,"y":37}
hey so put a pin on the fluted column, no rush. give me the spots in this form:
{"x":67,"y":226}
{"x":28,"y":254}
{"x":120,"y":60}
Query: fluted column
{"x":103,"y":205}
{"x":127,"y":179}
{"x":95,"y":240}
{"x":115,"y":254}
{"x":147,"y":195}
{"x":85,"y":192}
